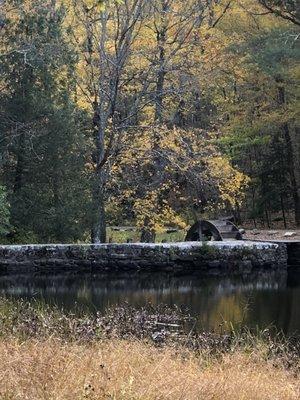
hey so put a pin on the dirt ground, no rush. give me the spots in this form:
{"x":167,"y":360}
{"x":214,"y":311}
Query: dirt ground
{"x":274,"y":234}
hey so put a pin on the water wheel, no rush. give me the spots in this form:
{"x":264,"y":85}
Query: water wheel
{"x":218,"y":230}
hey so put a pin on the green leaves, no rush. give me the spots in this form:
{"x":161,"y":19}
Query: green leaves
{"x":273,"y":51}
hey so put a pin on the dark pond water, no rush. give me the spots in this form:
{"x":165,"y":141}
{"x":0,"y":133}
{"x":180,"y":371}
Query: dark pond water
{"x":262,"y":302}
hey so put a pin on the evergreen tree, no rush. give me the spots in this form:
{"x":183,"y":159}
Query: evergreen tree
{"x":42,"y":130}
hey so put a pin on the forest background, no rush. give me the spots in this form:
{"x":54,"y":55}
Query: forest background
{"x":150,"y":113}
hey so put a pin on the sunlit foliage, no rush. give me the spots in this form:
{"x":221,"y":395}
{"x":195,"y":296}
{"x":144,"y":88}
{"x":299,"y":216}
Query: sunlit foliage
{"x":151,"y":113}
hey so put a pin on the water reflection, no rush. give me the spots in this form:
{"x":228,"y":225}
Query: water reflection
{"x":263,"y":301}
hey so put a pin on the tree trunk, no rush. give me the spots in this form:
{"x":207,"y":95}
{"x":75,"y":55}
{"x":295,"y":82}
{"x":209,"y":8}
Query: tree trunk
{"x":148,"y":233}
{"x":293,"y":173}
{"x":159,"y":96}
{"x":283,"y":210}
{"x":295,"y":142}
{"x":58,"y":226}
{"x":98,"y":234}
{"x":160,"y":82}
{"x":291,"y":149}
{"x":20,"y":164}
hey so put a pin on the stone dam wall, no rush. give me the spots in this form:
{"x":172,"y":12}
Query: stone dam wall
{"x":216,"y":258}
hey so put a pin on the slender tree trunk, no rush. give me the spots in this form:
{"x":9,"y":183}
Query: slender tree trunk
{"x":159,"y":96}
{"x":291,"y":149}
{"x":237,"y":214}
{"x":20,"y":163}
{"x":147,"y":234}
{"x":99,"y":218}
{"x":99,"y":226}
{"x":295,"y":142}
{"x":160,"y":82}
{"x":293,"y":173}
{"x":114,"y":51}
{"x":267,"y":216}
{"x":56,"y":203}
{"x":283,"y":210}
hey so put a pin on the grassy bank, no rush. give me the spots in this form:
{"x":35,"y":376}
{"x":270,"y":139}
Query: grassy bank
{"x":130,"y":354}
{"x":123,"y":236}
{"x":127,"y":370}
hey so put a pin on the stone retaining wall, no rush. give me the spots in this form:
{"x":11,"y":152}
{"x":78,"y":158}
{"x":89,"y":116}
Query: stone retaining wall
{"x":220,"y":258}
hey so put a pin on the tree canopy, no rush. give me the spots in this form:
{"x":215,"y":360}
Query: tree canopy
{"x":149,"y":113}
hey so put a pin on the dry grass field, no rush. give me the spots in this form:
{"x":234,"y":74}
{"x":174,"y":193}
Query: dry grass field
{"x":132,"y":370}
{"x":47,"y":354}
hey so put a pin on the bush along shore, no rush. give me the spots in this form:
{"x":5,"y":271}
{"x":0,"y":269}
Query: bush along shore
{"x":127,"y":353}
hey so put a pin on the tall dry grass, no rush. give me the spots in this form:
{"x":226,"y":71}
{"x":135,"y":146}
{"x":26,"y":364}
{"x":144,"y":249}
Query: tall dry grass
{"x":131,"y":370}
{"x":130,"y":354}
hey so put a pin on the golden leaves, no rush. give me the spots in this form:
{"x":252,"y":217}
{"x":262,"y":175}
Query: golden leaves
{"x":231,"y":182}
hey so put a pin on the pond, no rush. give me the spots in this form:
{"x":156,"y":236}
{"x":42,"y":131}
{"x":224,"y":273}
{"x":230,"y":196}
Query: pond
{"x":264,"y":301}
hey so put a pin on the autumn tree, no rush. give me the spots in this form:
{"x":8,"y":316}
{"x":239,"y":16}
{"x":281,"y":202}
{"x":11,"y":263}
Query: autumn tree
{"x":110,"y":37}
{"x":259,"y":124}
{"x":179,"y":180}
{"x":133,"y":54}
{"x":152,"y":111}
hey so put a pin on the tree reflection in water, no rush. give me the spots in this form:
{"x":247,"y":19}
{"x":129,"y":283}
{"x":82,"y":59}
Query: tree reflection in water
{"x":218,"y":303}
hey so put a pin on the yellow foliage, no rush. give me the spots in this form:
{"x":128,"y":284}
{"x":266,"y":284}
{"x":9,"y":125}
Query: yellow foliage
{"x":158,"y":213}
{"x":231,"y":183}
{"x":155,"y":174}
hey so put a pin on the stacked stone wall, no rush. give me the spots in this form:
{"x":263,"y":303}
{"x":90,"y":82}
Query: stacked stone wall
{"x":217,"y":258}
